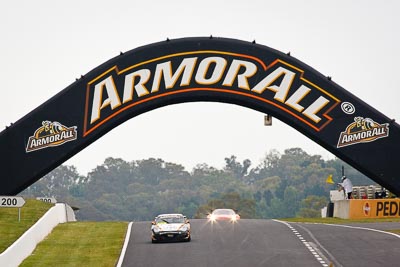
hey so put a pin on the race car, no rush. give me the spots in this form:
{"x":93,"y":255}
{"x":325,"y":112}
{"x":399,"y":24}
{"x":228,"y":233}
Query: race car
{"x":170,"y":227}
{"x":223,"y":215}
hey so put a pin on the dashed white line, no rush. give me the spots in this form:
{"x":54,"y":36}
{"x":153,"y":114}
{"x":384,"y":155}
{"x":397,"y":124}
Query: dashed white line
{"x":318,"y":255}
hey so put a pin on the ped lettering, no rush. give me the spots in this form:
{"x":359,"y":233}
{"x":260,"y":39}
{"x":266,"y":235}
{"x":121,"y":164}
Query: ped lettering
{"x":387,"y":208}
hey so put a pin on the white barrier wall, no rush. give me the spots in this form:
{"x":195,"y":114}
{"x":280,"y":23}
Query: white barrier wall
{"x":341,"y":209}
{"x":24,"y":246}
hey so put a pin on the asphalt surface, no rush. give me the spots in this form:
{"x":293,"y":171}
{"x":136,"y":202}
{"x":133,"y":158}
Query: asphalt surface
{"x":355,"y":244}
{"x":266,"y":243}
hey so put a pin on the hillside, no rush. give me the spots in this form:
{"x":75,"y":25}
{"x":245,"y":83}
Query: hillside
{"x":282,"y":185}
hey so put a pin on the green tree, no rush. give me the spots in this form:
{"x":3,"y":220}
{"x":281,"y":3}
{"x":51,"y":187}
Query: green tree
{"x":57,"y":183}
{"x":232,"y":200}
{"x":311,"y":206}
{"x":237,"y":169}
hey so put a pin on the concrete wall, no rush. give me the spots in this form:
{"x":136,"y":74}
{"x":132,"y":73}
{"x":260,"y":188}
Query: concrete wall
{"x":24,"y":246}
{"x":341,"y":209}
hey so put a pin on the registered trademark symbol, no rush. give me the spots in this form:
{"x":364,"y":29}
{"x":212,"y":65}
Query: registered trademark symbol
{"x":348,"y":108}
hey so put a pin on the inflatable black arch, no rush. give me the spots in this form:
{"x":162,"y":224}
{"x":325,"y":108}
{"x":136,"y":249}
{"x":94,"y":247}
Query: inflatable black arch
{"x":199,"y":69}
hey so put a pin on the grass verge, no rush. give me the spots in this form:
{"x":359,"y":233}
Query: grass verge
{"x":80,"y":244}
{"x":11,"y":229}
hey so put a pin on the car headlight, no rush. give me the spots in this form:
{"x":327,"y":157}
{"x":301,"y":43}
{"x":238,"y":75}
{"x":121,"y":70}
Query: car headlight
{"x":156,"y":230}
{"x":184,"y":228}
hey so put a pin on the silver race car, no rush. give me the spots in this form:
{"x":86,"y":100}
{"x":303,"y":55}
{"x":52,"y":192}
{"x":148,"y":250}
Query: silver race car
{"x":170,"y":227}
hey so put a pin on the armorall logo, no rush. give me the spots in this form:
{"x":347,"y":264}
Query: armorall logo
{"x":50,"y":134}
{"x":276,"y":83}
{"x":362,"y":130}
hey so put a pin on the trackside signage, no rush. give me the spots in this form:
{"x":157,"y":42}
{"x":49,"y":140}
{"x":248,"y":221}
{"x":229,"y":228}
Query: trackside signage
{"x":363,"y":130}
{"x":200,"y":69}
{"x":11,"y":202}
{"x":51,"y":200}
{"x":279,"y":84}
{"x":374,"y":208}
{"x":50,"y":134}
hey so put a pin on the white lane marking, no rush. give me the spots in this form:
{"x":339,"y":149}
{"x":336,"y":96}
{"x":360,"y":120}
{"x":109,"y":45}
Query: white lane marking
{"x":314,"y":251}
{"x":335,"y":262}
{"x":127,"y":237}
{"x":345,"y":226}
{"x":363,"y":228}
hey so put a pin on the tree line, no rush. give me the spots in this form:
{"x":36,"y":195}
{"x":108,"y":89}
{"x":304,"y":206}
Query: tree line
{"x":288,"y":184}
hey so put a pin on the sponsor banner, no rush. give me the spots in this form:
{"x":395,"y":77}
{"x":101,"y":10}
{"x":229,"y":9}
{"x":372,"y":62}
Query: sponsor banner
{"x":362,"y":130}
{"x":200,"y":69}
{"x":51,"y":134}
{"x":278,"y":84}
{"x":374,"y":208}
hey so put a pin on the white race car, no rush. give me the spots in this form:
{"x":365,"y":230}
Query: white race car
{"x":170,"y":227}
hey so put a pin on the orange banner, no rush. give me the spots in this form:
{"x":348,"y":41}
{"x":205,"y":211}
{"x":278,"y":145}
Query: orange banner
{"x":374,"y":208}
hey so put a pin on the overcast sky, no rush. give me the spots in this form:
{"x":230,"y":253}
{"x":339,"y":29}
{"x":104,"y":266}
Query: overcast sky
{"x":45,"y":45}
